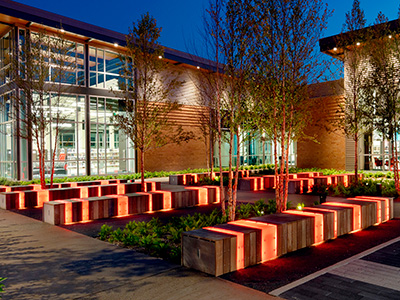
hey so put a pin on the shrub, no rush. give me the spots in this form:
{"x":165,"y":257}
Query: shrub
{"x":2,"y":285}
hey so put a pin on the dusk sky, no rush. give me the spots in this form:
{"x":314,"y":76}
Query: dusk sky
{"x":181,"y":20}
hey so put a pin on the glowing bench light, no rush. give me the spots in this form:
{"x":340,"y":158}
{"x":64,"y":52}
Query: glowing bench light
{"x":42,"y":197}
{"x":122,"y":204}
{"x":202,"y":194}
{"x":167,"y":198}
{"x":318,"y":223}
{"x":335,"y":221}
{"x":356,"y":212}
{"x":239,"y":244}
{"x":67,"y":210}
{"x":387,"y":204}
{"x":21,"y":199}
{"x":150,"y":200}
{"x":378,"y":208}
{"x":268,"y":237}
{"x":85,"y":208}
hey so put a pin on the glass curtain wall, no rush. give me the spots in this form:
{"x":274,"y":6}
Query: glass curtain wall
{"x":377,"y":152}
{"x":70,"y":144}
{"x":110,"y":150}
{"x":7,"y":140}
{"x":253,"y":151}
{"x":104,"y":68}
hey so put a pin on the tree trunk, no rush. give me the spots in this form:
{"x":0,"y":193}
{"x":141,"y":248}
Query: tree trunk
{"x":356,"y":158}
{"x":143,"y":185}
{"x":230,"y":176}
{"x":235,"y":185}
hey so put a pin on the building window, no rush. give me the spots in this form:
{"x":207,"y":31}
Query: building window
{"x":110,"y":150}
{"x":7,"y":141}
{"x":104,"y":68}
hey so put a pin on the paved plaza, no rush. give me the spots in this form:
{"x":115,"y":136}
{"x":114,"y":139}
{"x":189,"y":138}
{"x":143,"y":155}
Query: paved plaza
{"x":373,"y":274}
{"x":42,"y":261}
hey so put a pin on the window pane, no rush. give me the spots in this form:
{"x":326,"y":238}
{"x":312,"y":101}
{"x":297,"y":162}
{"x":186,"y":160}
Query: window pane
{"x":112,"y":62}
{"x":100,"y":60}
{"x":92,"y":79}
{"x":92,"y":59}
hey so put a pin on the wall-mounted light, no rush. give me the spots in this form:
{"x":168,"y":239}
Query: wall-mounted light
{"x":115,"y":45}
{"x":198,"y":67}
{"x":62,"y":30}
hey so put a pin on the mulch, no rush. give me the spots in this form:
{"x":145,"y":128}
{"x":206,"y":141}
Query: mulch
{"x":276,"y":273}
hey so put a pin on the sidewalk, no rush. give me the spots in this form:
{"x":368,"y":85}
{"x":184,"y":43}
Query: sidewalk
{"x":372,"y":274}
{"x":42,"y":261}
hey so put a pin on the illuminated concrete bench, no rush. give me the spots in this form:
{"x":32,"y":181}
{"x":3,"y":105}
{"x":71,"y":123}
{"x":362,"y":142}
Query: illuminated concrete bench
{"x":67,"y":211}
{"x":36,"y":198}
{"x":211,"y":249}
{"x":194,"y":178}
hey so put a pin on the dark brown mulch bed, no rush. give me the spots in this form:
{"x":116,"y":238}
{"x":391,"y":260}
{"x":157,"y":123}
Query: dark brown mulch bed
{"x":293,"y":266}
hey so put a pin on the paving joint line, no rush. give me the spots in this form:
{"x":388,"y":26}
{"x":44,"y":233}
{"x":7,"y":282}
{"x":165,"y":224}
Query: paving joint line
{"x":312,"y":276}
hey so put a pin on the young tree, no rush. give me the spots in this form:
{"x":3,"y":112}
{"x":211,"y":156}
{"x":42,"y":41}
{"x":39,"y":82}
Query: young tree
{"x":147,"y":88}
{"x":355,"y":70}
{"x":230,"y":28}
{"x":213,"y":34}
{"x":39,"y":68}
{"x":287,"y":33}
{"x":237,"y":44}
{"x":382,"y":87}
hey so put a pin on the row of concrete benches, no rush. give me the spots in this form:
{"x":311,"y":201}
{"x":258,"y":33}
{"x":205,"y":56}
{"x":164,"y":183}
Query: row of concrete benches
{"x":34,"y":197}
{"x":225,"y":248}
{"x":59,"y":212}
{"x":299,"y":183}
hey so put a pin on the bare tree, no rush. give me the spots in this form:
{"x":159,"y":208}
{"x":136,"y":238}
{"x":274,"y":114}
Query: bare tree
{"x":288,"y":31}
{"x":355,"y":70}
{"x":382,"y":87}
{"x":39,"y":69}
{"x":147,"y":87}
{"x":213,"y":34}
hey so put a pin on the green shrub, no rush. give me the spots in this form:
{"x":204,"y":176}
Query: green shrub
{"x":2,"y":285}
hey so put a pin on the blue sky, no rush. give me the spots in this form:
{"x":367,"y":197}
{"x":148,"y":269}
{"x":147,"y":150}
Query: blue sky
{"x":181,"y":20}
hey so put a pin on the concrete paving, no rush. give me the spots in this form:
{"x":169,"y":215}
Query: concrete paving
{"x":42,"y":261}
{"x":372,"y":274}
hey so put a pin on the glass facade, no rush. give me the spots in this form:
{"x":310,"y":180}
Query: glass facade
{"x":86,"y":141}
{"x":7,"y":140}
{"x":377,"y":152}
{"x":105,"y":67}
{"x":253,"y":151}
{"x":110,"y":151}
